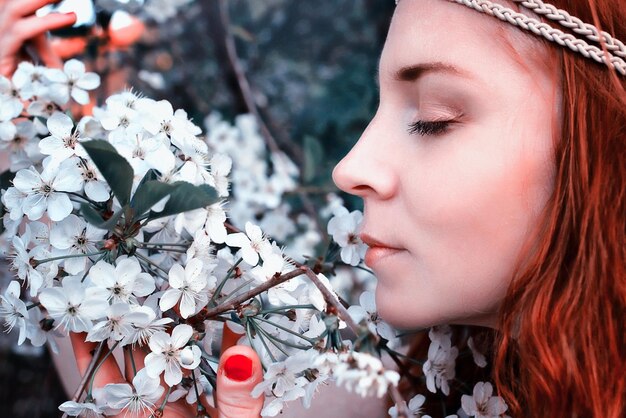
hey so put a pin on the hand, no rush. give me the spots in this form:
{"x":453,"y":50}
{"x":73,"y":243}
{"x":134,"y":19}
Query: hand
{"x":238,"y":373}
{"x":19,"y":26}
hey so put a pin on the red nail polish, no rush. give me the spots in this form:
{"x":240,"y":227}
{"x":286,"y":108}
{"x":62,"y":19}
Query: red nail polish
{"x":238,"y":367}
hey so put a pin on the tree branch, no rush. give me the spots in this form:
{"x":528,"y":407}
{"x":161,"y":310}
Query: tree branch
{"x":342,"y":312}
{"x":254,"y":292}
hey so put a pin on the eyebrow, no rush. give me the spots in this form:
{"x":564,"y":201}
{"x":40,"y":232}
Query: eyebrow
{"x":414,"y":72}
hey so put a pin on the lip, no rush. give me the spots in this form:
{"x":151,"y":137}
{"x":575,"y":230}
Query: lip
{"x":377,"y":250}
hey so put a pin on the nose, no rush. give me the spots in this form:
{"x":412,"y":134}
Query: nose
{"x":368,"y":169}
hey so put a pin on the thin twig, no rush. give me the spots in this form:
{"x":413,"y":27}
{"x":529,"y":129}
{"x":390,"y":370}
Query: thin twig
{"x":332,"y":300}
{"x":87,"y":375}
{"x":242,"y":80}
{"x":253,"y":292}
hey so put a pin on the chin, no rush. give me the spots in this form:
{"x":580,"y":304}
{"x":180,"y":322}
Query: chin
{"x":405,"y":316}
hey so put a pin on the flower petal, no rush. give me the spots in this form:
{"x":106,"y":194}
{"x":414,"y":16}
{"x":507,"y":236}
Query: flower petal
{"x":181,"y":335}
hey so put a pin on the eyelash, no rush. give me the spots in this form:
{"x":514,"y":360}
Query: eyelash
{"x":429,"y":128}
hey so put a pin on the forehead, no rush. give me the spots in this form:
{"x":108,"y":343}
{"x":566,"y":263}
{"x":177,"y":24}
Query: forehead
{"x":443,"y":31}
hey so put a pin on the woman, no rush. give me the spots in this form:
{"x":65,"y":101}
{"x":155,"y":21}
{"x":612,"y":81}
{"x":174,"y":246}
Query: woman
{"x":493,"y":178}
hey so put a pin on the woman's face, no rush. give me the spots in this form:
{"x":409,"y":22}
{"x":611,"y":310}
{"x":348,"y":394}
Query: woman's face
{"x":454,"y":201}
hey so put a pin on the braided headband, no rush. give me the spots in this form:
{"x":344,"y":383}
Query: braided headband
{"x":615,"y":56}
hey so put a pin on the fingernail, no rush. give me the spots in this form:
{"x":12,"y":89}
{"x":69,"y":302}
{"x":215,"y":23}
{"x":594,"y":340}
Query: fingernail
{"x":238,"y":367}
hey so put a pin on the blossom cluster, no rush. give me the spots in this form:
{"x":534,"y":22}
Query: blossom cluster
{"x":116,"y":224}
{"x":133,"y":227}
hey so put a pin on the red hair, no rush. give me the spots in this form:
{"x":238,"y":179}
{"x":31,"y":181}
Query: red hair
{"x":561,"y":349}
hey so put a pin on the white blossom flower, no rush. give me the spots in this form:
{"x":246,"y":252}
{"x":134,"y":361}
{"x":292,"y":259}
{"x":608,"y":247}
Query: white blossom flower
{"x":194,"y":153}
{"x":43,"y":108}
{"x":414,"y":406}
{"x":479,"y":358}
{"x":314,"y":295}
{"x":8,"y":112}
{"x":118,"y":114}
{"x":46,"y":191}
{"x":116,"y":327}
{"x":30,"y":80}
{"x":364,"y":374}
{"x":73,"y":81}
{"x":187,"y":388}
{"x":10,"y":93}
{"x":96,"y":188}
{"x":83,"y":409}
{"x":284,"y":376}
{"x":439,"y":367}
{"x":187,"y":285}
{"x":40,"y":330}
{"x":252,"y":243}
{"x":74,"y":305}
{"x":482,"y":404}
{"x":75,"y":236}
{"x":34,"y":277}
{"x":140,"y":398}
{"x":145,"y":324}
{"x":124,"y":282}
{"x":220,"y":169}
{"x":169,"y":354}
{"x":202,"y":248}
{"x":13,"y":310}
{"x":21,"y":262}
{"x":160,"y":120}
{"x":23,"y":148}
{"x":143,"y":152}
{"x":275,"y":263}
{"x":64,"y":140}
{"x":344,"y":228}
{"x":13,"y":199}
{"x":367,"y":311}
{"x":214,"y":225}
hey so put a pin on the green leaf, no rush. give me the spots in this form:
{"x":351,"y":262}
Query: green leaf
{"x":115,"y":169}
{"x":186,"y":197}
{"x":149,"y":194}
{"x":150,"y":175}
{"x":93,"y":217}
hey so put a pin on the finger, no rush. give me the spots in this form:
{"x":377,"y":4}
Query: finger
{"x":109,"y":372}
{"x":30,"y":27}
{"x":21,"y":8}
{"x":239,"y":372}
{"x":45,"y":53}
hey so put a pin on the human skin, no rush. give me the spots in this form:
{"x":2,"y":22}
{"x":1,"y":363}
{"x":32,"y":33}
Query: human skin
{"x":460,"y":205}
{"x":19,"y":26}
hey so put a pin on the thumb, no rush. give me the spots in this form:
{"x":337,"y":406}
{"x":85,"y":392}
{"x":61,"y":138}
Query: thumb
{"x":239,"y":372}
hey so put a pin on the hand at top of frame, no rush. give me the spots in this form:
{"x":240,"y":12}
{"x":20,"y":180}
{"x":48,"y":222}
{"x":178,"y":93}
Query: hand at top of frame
{"x":19,"y":26}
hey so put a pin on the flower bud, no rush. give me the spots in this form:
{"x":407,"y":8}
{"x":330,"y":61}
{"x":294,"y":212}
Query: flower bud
{"x":186,"y":356}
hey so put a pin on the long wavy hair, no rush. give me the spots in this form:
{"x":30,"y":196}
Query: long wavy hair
{"x":560,"y":347}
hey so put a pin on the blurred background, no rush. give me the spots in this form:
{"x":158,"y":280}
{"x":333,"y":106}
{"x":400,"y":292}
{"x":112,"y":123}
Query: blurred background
{"x":306,"y":69}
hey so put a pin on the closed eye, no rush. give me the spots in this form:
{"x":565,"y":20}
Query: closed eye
{"x":430,"y":128}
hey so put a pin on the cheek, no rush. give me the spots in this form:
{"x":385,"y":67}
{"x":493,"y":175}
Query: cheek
{"x":472,"y":205}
